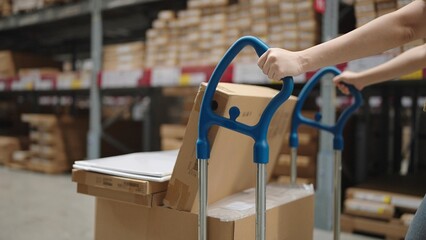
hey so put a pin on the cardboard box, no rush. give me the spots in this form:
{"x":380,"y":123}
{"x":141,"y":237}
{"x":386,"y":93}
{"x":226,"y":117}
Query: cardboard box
{"x":369,"y":209}
{"x":119,"y":184}
{"x":390,"y":230}
{"x":398,"y":200}
{"x":148,"y":201}
{"x":11,"y":62}
{"x":116,"y":220}
{"x":8,"y":145}
{"x":231,"y":167}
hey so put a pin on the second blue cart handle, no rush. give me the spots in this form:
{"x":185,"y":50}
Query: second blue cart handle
{"x":259,"y":131}
{"x":337,"y":129}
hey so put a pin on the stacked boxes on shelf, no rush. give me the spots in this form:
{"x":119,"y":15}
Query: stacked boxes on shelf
{"x":378,"y":212}
{"x":161,"y":44}
{"x":12,"y":62}
{"x":26,"y":5}
{"x":5,"y":8}
{"x":54,"y":142}
{"x":306,"y":156}
{"x":47,"y":148}
{"x":181,"y":101}
{"x":368,"y":10}
{"x":124,"y":56}
{"x":201,"y":34}
{"x":8,"y":145}
{"x":365,"y":11}
{"x":32,"y":5}
{"x":171,"y":136}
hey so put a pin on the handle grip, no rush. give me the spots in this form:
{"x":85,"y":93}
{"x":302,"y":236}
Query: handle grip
{"x":259,"y":131}
{"x":337,"y":129}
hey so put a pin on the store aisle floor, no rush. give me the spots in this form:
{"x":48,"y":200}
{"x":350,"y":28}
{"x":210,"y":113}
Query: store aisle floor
{"x":46,"y":207}
{"x":43,"y":207}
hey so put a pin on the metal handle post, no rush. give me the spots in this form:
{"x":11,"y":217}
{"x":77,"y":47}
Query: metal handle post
{"x":337,"y":193}
{"x":261,"y":202}
{"x":293,"y":165}
{"x":202,"y":214}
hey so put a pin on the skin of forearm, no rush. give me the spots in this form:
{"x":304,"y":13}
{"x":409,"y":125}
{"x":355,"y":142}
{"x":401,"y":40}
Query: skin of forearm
{"x":407,"y":62}
{"x":381,"y":34}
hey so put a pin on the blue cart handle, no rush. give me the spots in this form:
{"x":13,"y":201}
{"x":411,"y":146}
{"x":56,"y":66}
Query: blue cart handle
{"x":259,"y":131}
{"x":337,"y":129}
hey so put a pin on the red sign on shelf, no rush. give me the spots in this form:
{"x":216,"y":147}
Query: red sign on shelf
{"x":319,"y":6}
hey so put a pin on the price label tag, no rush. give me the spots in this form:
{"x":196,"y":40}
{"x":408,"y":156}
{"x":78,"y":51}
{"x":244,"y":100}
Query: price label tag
{"x":189,"y":79}
{"x":165,"y":76}
{"x":248,"y":73}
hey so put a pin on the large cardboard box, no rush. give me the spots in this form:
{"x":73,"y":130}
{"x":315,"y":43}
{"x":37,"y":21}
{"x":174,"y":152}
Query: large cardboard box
{"x":231,"y":168}
{"x":293,"y":219}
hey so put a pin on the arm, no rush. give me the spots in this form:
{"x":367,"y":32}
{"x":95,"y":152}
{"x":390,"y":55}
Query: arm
{"x":407,"y":62}
{"x":386,"y":32}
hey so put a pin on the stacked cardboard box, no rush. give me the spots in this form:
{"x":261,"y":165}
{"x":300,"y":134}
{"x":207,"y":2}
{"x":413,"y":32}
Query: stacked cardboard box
{"x":161,"y":41}
{"x":26,"y":5}
{"x":365,"y":11}
{"x":32,"y":5}
{"x":12,"y":62}
{"x":201,"y":34}
{"x":47,"y":148}
{"x":387,"y":211}
{"x":8,"y":145}
{"x":290,"y":219}
{"x":171,"y":136}
{"x":5,"y":8}
{"x":55,"y":143}
{"x":134,"y":191}
{"x":368,"y":10}
{"x":306,"y":155}
{"x":124,"y":56}
{"x":180,"y":101}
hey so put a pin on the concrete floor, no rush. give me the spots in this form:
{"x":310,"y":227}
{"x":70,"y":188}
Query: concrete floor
{"x":47,"y":207}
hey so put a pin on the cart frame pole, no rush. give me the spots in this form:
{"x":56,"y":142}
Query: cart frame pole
{"x":337,"y":193}
{"x":202,"y":183}
{"x":261,"y":202}
{"x":293,"y":165}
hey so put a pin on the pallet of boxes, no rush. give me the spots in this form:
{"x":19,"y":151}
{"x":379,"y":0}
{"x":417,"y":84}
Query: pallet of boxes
{"x":386,"y":212}
{"x":129,"y":208}
{"x":8,"y":147}
{"x":54,"y":143}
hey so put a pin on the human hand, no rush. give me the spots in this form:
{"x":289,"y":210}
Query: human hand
{"x":278,"y":63}
{"x":348,"y":77}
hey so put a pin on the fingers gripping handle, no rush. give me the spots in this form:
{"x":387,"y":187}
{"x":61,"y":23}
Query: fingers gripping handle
{"x":337,"y":129}
{"x":259,"y":131}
